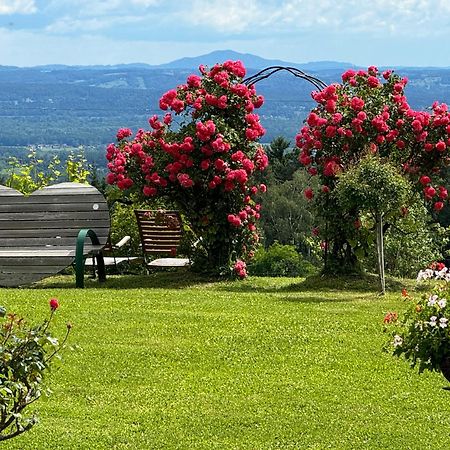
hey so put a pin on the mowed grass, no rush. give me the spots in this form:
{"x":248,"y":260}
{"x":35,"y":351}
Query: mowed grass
{"x":173,"y":361}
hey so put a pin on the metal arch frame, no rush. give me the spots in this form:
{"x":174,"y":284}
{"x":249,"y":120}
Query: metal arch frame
{"x":269,"y":71}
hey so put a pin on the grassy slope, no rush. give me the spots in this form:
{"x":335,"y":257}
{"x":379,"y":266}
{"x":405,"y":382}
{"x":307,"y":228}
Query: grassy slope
{"x":171,"y":363}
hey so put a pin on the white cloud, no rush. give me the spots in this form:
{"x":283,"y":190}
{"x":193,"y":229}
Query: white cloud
{"x":223,"y":15}
{"x":270,"y":16}
{"x":17,"y":7}
{"x":67,"y":24}
{"x":145,"y":3}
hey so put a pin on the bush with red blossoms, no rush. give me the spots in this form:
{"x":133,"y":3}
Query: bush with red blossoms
{"x":368,"y":113}
{"x":26,"y":354}
{"x":205,"y":165}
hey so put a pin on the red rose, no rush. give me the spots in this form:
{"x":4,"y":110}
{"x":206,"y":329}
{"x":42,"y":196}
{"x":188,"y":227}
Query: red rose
{"x":441,"y":146}
{"x":429,"y":192}
{"x":54,"y":304}
{"x":309,"y":193}
{"x":438,"y":206}
{"x":424,"y":180}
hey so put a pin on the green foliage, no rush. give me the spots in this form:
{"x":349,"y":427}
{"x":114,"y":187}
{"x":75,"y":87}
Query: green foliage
{"x":35,"y":173}
{"x":373,"y":186}
{"x":285,"y":216}
{"x":77,"y":169}
{"x":410,"y":242}
{"x":282,"y":161}
{"x":280,"y":261}
{"x":30,"y":176}
{"x":25,"y":354}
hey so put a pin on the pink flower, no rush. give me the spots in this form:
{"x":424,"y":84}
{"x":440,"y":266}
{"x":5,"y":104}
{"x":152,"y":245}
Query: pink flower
{"x":309,"y":193}
{"x":220,"y":164}
{"x":194,"y":81}
{"x":110,"y":178}
{"x":424,"y":180}
{"x":204,"y":164}
{"x":149,"y":191}
{"x":240,"y":268}
{"x":429,"y":192}
{"x":123,"y":133}
{"x":357,"y":103}
{"x":438,"y":206}
{"x":331,"y":168}
{"x":373,"y":82}
{"x":185,"y":180}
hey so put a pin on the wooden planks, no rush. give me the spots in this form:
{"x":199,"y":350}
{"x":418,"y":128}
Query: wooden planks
{"x":160,"y":233}
{"x":38,"y":233}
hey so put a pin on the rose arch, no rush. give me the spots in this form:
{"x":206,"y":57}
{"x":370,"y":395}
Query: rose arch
{"x":204,"y":152}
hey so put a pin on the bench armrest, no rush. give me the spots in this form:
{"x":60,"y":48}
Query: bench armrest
{"x":122,"y":242}
{"x":80,"y":257}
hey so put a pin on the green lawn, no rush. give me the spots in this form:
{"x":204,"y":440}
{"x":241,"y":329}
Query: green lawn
{"x":170,"y":361}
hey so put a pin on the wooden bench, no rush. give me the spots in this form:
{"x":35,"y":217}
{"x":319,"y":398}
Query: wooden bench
{"x":160,"y":232}
{"x":44,"y":233}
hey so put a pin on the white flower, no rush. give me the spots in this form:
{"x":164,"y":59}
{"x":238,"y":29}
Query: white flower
{"x":397,"y":341}
{"x":432,"y":300}
{"x":443,"y":322}
{"x":442,"y":302}
{"x":425,"y":274}
{"x":441,"y":273}
{"x":432,"y":321}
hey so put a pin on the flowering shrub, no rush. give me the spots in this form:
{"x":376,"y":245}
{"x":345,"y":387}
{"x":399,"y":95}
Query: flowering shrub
{"x":422,"y":336}
{"x":26,"y":352}
{"x":205,"y":165}
{"x":436,"y":271}
{"x":368,"y":114}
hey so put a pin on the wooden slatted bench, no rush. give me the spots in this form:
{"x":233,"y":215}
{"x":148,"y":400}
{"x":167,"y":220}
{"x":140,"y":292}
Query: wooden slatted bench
{"x":44,"y":233}
{"x":160,"y":233}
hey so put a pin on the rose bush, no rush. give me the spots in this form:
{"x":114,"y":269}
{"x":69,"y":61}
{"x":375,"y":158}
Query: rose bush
{"x":204,"y":164}
{"x":369,"y":113}
{"x":26,"y":354}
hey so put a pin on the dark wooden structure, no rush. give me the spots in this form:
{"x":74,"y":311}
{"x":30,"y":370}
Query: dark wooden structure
{"x":44,"y":233}
{"x":160,"y":233}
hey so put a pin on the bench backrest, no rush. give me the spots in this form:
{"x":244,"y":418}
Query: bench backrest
{"x":38,"y":233}
{"x":160,"y":231}
{"x":52,"y":216}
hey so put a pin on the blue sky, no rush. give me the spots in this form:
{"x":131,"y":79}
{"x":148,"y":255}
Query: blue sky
{"x":364,"y":32}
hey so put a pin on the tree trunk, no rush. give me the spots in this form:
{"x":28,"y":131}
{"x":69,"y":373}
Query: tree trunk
{"x":340,"y":258}
{"x":380,"y":252}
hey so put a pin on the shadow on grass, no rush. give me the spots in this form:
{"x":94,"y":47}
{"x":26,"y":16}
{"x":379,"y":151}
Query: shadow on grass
{"x":367,"y":283}
{"x":179,"y":279}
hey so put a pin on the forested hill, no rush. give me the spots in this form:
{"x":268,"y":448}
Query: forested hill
{"x":85,"y":105}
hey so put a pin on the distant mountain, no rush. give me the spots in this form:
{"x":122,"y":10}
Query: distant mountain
{"x":192,"y":63}
{"x":250,"y":61}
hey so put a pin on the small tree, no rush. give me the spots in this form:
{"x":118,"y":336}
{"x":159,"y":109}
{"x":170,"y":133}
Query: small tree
{"x":378,"y":189}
